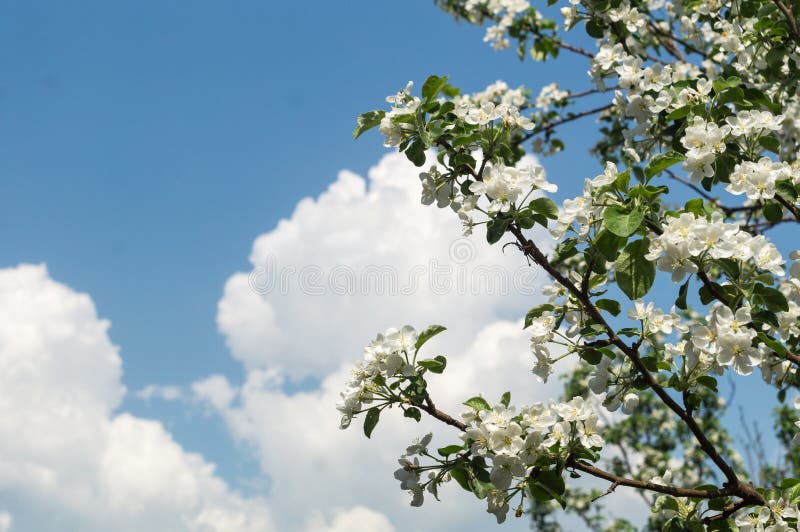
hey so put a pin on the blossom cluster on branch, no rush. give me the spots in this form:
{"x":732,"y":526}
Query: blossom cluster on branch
{"x":694,"y":98}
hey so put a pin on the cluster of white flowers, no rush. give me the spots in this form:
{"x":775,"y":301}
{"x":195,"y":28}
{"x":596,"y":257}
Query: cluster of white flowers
{"x":688,"y":237}
{"x":498,"y":92}
{"x":402,"y":104}
{"x":728,"y":339}
{"x":409,"y":472}
{"x":488,"y":112}
{"x":758,"y":179}
{"x":549,"y":95}
{"x":506,"y":10}
{"x":587,"y":208}
{"x":769,"y":518}
{"x":753,"y":123}
{"x":703,"y":142}
{"x":654,"y":320}
{"x":541,"y":330}
{"x":386,"y":356}
{"x":504,"y":185}
{"x":514,"y":441}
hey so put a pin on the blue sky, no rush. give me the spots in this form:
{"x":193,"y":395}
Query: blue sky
{"x":144,"y":145}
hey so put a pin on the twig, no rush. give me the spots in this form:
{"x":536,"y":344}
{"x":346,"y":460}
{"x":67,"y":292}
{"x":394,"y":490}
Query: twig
{"x":787,"y":12}
{"x":551,"y":125}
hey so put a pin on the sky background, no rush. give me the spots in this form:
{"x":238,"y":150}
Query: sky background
{"x":144,"y":148}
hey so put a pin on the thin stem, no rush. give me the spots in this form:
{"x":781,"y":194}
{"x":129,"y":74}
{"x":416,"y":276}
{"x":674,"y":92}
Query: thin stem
{"x":551,"y":125}
{"x":532,"y":251}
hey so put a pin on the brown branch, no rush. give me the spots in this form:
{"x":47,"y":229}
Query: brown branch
{"x":534,"y":253}
{"x":551,"y":125}
{"x":431,"y":410}
{"x":787,"y":12}
{"x":586,"y":467}
{"x":746,"y":492}
{"x":792,"y":208}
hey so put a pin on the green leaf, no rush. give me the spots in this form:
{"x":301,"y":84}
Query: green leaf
{"x":635,"y":274}
{"x":434,"y":365}
{"x":776,"y":346}
{"x":789,"y":482}
{"x":592,"y":356}
{"x":682,"y":292}
{"x":416,"y":152}
{"x":505,"y":399}
{"x":594,"y":29}
{"x":773,"y":212}
{"x":426,"y":334}
{"x":609,"y":244}
{"x":495,"y":229}
{"x":620,"y":222}
{"x":413,"y":413}
{"x":773,"y":299}
{"x":432,"y":86}
{"x":611,"y":306}
{"x":545,"y":206}
{"x":373,"y":415}
{"x":367,"y":121}
{"x":708,"y":381}
{"x":461,"y":476}
{"x":478,"y":403}
{"x":661,"y":162}
{"x":695,"y":206}
{"x":535,"y":312}
{"x":679,"y":113}
{"x":450,"y":449}
{"x":770,"y":143}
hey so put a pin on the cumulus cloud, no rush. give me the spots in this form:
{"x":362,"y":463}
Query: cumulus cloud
{"x":357,"y":518}
{"x":66,"y":457}
{"x":307,"y":308}
{"x":357,"y":259}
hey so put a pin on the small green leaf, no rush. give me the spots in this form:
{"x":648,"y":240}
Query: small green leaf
{"x":609,"y":244}
{"x":770,"y":143}
{"x":592,"y":356}
{"x":432,"y":86}
{"x":662,"y":161}
{"x":413,"y":413}
{"x":695,"y":206}
{"x":545,"y":206}
{"x":682,"y":292}
{"x":478,"y":403}
{"x":367,"y":121}
{"x":416,"y":152}
{"x":535,"y":312}
{"x":620,"y":222}
{"x":434,"y":365}
{"x":611,"y":306}
{"x":495,"y":229}
{"x":450,"y":449}
{"x":708,"y":381}
{"x":373,"y":415}
{"x":505,"y":399}
{"x":773,"y":212}
{"x":461,"y":476}
{"x":428,"y":333}
{"x":635,"y":274}
{"x":773,"y":299}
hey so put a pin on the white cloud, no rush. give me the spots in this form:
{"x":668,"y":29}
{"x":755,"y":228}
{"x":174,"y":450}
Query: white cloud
{"x":287,"y":334}
{"x":391,"y":259}
{"x":165,"y":393}
{"x":5,"y":521}
{"x":357,"y":518}
{"x":66,"y":458}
